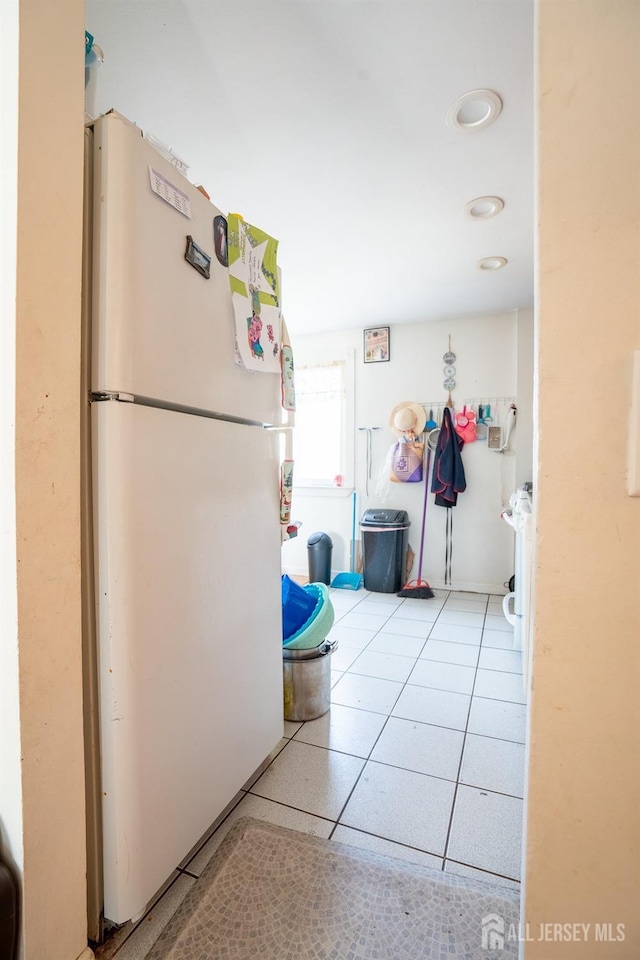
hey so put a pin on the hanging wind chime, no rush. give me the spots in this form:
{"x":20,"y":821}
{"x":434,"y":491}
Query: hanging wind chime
{"x":448,"y":471}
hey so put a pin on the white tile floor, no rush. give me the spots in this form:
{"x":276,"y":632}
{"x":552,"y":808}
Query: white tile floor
{"x":420,"y":757}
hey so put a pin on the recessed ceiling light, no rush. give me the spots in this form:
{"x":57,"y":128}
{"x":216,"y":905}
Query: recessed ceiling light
{"x":474,"y":110}
{"x":483,"y":208}
{"x":492,"y":263}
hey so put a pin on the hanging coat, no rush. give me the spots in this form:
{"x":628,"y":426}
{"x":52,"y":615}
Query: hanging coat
{"x":448,"y":471}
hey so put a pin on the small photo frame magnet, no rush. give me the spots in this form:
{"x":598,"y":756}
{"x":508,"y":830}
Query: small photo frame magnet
{"x":220,"y":239}
{"x":198,"y":259}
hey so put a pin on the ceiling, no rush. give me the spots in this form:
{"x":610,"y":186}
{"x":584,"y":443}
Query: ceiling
{"x":324,"y":123}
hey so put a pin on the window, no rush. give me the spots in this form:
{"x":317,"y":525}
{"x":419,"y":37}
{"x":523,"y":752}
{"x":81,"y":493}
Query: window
{"x":323,"y":435}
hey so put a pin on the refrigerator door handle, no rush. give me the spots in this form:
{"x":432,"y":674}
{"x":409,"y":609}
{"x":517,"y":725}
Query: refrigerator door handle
{"x":142,"y":401}
{"x":111,"y":395}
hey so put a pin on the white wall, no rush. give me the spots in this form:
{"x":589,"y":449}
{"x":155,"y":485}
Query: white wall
{"x":486,"y":367}
{"x":525,"y":363}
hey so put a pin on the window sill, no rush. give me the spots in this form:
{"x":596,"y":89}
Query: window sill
{"x":321,"y":491}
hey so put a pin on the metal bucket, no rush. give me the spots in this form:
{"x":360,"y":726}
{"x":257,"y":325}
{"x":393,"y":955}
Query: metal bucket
{"x":307,"y":681}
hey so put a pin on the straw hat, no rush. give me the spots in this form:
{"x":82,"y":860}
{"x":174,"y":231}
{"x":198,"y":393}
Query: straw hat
{"x":407,"y":419}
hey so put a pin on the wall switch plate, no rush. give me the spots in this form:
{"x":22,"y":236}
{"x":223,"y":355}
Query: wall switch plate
{"x":494,"y":438}
{"x":633,"y":461}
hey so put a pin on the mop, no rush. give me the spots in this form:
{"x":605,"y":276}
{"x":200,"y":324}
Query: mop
{"x":419,"y":589}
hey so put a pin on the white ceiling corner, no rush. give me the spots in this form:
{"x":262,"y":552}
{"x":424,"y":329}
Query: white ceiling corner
{"x":324,"y":123}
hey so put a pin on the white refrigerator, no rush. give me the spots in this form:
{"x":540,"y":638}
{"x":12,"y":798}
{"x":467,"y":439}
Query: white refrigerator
{"x":183,"y":643}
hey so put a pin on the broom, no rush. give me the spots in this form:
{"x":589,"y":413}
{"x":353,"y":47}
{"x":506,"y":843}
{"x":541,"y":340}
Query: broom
{"x":419,"y":589}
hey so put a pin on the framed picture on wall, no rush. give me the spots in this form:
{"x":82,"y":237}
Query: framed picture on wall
{"x":376,"y":345}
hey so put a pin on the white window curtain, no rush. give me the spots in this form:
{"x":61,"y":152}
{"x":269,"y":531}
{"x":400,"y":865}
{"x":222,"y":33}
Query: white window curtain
{"x":323,"y":435}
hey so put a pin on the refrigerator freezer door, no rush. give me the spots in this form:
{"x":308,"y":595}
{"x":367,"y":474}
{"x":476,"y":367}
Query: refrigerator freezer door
{"x":189,"y":631}
{"x":160,"y":329}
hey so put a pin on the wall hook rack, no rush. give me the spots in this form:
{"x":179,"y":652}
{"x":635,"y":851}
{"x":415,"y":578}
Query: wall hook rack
{"x":369,"y":431}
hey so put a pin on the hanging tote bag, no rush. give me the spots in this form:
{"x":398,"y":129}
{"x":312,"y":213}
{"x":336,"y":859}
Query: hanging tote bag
{"x":406,"y":462}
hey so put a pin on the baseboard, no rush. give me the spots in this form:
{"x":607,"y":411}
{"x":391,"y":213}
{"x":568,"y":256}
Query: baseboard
{"x":87,"y":954}
{"x":295,"y":571}
{"x":466,"y":586}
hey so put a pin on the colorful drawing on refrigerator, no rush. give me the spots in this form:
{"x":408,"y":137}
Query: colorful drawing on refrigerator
{"x":255,"y":290}
{"x":286,"y":490}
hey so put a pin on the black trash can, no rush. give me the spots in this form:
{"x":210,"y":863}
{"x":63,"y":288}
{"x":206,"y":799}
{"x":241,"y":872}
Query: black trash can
{"x":385,"y":535}
{"x":319,"y":548}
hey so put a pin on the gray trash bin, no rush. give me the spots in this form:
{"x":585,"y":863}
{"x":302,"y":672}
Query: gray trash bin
{"x":307,"y":681}
{"x":384,"y":539}
{"x":319,"y":548}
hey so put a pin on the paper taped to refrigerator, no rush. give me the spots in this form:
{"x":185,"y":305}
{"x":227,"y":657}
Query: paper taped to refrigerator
{"x":168,"y":192}
{"x":255,"y":291}
{"x":288,"y":381}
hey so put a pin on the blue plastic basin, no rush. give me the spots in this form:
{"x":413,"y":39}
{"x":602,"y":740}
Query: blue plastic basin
{"x":317,"y":627}
{"x":297,"y":606}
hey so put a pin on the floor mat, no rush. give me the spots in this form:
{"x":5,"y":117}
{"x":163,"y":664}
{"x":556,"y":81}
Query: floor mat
{"x":275,"y":894}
